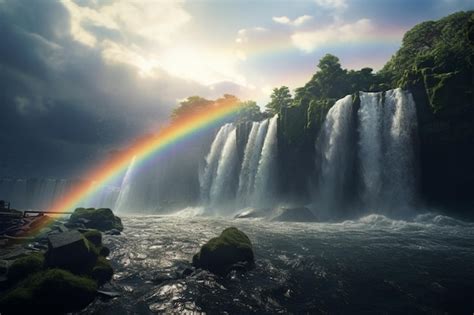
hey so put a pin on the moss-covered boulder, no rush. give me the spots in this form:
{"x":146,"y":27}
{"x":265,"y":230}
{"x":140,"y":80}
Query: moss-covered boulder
{"x":220,"y":253}
{"x":102,"y":219}
{"x":102,"y":271}
{"x":71,"y":251}
{"x":25,"y":266}
{"x":93,"y":236}
{"x":52,"y":291}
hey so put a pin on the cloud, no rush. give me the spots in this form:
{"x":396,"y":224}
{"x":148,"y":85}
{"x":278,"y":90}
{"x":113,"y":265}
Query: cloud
{"x":66,"y":104}
{"x":155,"y":21}
{"x":332,"y":4}
{"x":309,"y":41}
{"x":296,"y":22}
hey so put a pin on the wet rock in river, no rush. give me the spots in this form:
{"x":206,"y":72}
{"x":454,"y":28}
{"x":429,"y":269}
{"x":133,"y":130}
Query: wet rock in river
{"x":219,"y":254}
{"x":102,"y":219}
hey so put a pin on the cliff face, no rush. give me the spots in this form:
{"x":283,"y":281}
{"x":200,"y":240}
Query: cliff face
{"x":439,"y":72}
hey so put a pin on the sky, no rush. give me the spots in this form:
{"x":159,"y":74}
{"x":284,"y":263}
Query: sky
{"x":82,"y":78}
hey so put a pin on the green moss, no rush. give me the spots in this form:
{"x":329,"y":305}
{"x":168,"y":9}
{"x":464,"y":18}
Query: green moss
{"x":102,"y":271}
{"x":53,"y":291}
{"x":221,"y":252}
{"x":25,"y":266}
{"x":102,"y":219}
{"x":94,"y":236}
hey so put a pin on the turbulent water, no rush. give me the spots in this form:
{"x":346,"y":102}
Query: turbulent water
{"x":373,"y":265}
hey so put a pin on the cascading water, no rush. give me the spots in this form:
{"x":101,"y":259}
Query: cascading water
{"x":253,"y":150}
{"x":332,"y":149}
{"x":399,"y":135}
{"x":370,"y":146}
{"x":212,"y":162}
{"x":121,"y":203}
{"x":385,"y":152}
{"x":264,"y":179}
{"x":386,"y":148}
{"x":221,"y":184}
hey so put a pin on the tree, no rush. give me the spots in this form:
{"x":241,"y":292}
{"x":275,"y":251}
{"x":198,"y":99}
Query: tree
{"x":280,"y":98}
{"x":249,"y":111}
{"x":191,"y":105}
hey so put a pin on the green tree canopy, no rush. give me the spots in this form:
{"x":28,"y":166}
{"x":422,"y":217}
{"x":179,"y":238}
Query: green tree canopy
{"x":249,"y":111}
{"x":280,"y":98}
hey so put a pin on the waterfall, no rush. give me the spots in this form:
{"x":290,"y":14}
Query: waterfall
{"x":332,"y":149}
{"x":212,"y":160}
{"x":121,"y":204}
{"x":370,"y":146}
{"x":382,"y":162}
{"x":386,"y":149}
{"x":42,"y":193}
{"x":251,"y":160}
{"x":265,"y":177}
{"x":222,"y":186}
{"x":399,"y":134}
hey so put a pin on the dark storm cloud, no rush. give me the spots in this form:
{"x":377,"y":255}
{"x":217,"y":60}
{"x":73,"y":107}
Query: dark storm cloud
{"x":62,"y":107}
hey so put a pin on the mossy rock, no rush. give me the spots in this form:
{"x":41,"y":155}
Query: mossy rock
{"x":52,"y":291}
{"x":220,"y":253}
{"x":102,"y":271}
{"x":102,"y":219}
{"x":94,"y":237}
{"x":25,"y":266}
{"x":71,"y":251}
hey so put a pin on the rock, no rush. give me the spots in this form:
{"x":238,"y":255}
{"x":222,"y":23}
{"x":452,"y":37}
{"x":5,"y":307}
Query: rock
{"x":113,"y":232}
{"x":52,"y":291}
{"x":221,"y":252}
{"x":25,"y":266}
{"x":300,"y":214}
{"x":62,"y":228}
{"x":102,"y":271}
{"x":102,"y":219}
{"x":70,"y":251}
{"x":93,"y":236}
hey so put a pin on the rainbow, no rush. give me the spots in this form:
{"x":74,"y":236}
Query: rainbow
{"x":178,"y":130}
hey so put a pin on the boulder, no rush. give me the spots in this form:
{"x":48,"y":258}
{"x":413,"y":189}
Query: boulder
{"x":219,"y":254}
{"x":52,"y":291}
{"x":70,"y":251}
{"x":102,"y":271}
{"x":301,"y":214}
{"x":102,"y":219}
{"x":25,"y":266}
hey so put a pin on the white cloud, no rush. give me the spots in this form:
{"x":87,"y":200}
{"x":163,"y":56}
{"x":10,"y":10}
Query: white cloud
{"x":244,"y":34}
{"x":281,"y":19}
{"x":308,"y":41}
{"x":156,"y":21}
{"x":332,"y":4}
{"x":296,"y":22}
{"x":153,"y":38}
